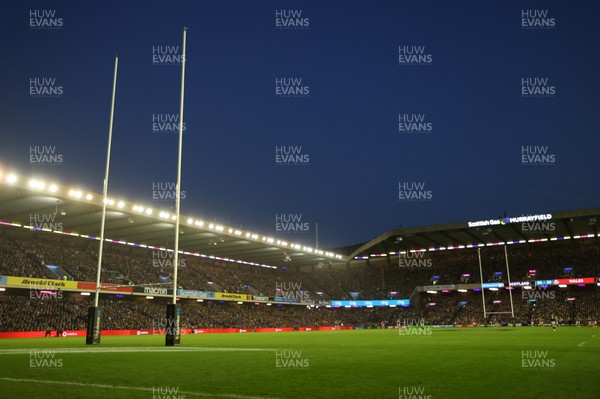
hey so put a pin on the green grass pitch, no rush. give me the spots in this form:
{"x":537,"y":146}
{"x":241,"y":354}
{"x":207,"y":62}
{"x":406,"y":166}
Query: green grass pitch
{"x":479,"y":362}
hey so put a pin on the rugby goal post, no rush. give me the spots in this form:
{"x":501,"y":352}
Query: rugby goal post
{"x":512,"y":308}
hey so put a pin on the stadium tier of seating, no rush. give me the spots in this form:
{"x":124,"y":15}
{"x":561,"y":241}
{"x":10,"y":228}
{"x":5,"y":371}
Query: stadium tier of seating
{"x":26,"y":254}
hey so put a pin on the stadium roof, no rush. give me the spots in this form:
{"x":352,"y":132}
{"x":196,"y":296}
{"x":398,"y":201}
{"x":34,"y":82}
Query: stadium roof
{"x":478,"y":233}
{"x":51,"y":206}
{"x":28,"y":202}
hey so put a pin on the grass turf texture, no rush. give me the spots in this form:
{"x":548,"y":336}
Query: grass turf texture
{"x":448,"y":363}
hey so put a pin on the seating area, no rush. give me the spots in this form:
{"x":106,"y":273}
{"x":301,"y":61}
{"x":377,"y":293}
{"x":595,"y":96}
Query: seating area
{"x":26,"y":255}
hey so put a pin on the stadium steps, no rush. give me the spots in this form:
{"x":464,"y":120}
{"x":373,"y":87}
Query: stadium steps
{"x":317,"y":285}
{"x":34,"y":258}
{"x":58,"y":272}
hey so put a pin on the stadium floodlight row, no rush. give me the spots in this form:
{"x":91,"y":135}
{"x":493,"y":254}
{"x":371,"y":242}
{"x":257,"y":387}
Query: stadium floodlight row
{"x":84,"y":196}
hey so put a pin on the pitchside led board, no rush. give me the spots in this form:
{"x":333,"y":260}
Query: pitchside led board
{"x":93,"y":327}
{"x":173,"y":335}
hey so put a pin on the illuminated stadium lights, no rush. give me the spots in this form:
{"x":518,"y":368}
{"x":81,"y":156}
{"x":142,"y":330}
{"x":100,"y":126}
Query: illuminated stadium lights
{"x":163,"y":215}
{"x":36,"y":184}
{"x":432,"y":292}
{"x":493,"y":289}
{"x":85,"y":293}
{"x":562,"y":285}
{"x":462,"y":290}
{"x":11,"y":178}
{"x":2,"y":289}
{"x":78,"y":194}
{"x":149,"y":297}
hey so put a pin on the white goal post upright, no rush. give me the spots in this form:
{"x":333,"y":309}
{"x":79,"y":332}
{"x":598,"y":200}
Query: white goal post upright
{"x":178,"y":187}
{"x":94,"y":330}
{"x":512,"y":308}
{"x":481,"y":282}
{"x":173,"y":311}
{"x":105,"y":186}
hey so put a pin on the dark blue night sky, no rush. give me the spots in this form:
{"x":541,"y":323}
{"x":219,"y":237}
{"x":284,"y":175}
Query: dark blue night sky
{"x":466,"y":159}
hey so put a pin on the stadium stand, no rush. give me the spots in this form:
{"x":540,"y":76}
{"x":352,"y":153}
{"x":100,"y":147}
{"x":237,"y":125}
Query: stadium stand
{"x":26,"y":254}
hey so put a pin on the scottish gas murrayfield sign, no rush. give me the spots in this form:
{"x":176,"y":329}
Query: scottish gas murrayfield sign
{"x":507,"y":220}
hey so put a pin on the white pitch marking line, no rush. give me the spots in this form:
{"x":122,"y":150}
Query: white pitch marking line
{"x":221,"y":395}
{"x":21,"y":351}
{"x":581,"y":344}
